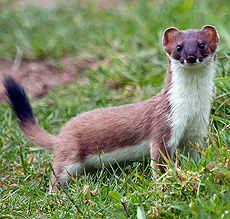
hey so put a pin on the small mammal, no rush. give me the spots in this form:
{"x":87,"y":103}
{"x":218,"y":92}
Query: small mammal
{"x":178,"y":114}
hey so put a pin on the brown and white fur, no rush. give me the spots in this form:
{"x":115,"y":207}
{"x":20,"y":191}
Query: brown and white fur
{"x":176,"y":115}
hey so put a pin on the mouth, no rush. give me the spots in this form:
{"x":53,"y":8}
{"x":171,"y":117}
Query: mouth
{"x":192,"y":65}
{"x":197,"y":62}
{"x":191,"y":60}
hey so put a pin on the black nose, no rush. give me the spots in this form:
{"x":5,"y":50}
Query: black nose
{"x":191,"y":59}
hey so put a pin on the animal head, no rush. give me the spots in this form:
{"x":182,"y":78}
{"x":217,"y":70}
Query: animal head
{"x":191,"y":47}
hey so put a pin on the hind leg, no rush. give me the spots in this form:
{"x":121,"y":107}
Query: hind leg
{"x":66,"y":165}
{"x":54,"y":175}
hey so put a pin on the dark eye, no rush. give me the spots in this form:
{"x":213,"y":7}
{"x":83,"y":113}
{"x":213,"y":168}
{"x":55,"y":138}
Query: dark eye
{"x":178,"y":48}
{"x":201,"y":46}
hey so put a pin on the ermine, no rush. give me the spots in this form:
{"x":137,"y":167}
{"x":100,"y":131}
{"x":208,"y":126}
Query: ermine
{"x":179,"y":114}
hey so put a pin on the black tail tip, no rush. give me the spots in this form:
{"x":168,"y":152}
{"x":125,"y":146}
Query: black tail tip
{"x":18,"y":100}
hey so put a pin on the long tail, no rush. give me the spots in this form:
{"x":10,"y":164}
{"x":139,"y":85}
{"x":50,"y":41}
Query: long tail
{"x":20,"y":104}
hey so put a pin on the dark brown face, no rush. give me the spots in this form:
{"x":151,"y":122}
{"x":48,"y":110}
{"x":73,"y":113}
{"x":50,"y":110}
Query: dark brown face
{"x":190,"y":46}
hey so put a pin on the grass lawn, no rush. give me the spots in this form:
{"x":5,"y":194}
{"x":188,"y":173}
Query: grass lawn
{"x":129,"y":34}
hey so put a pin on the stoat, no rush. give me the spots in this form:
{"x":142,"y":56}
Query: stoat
{"x":176,"y":115}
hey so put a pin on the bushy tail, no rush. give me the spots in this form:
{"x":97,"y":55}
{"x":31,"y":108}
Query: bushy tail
{"x":21,"y":106}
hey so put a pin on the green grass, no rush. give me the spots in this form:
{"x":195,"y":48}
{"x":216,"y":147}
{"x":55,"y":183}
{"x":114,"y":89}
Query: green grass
{"x":130,"y":35}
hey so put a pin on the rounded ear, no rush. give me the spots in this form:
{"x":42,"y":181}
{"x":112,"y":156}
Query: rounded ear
{"x":211,"y":36}
{"x":170,"y":35}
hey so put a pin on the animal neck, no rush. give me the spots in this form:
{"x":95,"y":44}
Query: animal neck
{"x":190,"y":92}
{"x":191,"y":85}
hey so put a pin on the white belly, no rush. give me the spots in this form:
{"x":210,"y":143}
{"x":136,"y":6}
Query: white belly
{"x":93,"y":162}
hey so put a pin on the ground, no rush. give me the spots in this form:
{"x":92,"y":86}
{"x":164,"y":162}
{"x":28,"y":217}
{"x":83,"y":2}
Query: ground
{"x":38,"y":76}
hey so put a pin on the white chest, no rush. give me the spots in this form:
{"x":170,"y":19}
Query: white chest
{"x":190,"y":97}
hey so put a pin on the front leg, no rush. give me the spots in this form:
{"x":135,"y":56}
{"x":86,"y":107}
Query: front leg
{"x":193,"y":146}
{"x":157,"y":160}
{"x":196,"y":146}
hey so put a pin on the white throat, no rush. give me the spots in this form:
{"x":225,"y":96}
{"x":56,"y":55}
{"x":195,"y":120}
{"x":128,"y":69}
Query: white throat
{"x":190,"y":97}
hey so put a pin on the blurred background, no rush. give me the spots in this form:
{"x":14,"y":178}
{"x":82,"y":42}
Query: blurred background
{"x":49,"y":42}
